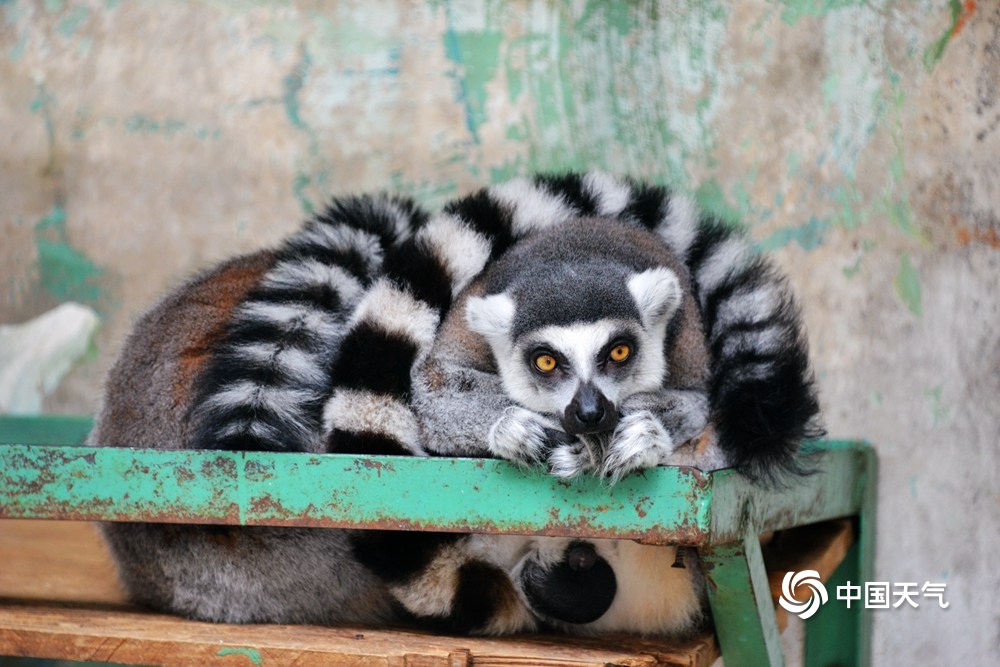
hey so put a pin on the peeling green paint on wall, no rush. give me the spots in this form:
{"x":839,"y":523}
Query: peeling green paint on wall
{"x":796,"y":10}
{"x":908,"y":285}
{"x":65,"y":272}
{"x":808,"y":236}
{"x":961,"y":11}
{"x":938,"y":409}
{"x":73,"y":19}
{"x":476,"y":56}
{"x":712,"y":199}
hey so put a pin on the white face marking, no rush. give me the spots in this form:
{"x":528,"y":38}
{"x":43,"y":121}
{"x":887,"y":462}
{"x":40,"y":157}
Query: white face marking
{"x":582,"y":349}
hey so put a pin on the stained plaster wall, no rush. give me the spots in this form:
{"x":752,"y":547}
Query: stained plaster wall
{"x":858,"y":140}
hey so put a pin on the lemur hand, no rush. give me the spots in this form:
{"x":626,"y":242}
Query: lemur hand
{"x":524,"y":437}
{"x":651,"y":427}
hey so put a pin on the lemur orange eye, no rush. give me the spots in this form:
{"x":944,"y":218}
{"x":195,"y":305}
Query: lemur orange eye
{"x":620,"y":353}
{"x":546,"y":363}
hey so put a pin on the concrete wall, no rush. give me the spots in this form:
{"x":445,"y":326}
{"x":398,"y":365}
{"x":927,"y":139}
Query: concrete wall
{"x":859,"y":140}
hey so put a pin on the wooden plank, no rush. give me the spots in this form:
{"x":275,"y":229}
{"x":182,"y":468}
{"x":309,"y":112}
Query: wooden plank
{"x":47,"y":564}
{"x":102,"y":634}
{"x":56,"y":561}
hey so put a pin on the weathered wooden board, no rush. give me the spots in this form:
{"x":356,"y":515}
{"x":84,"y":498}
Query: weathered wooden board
{"x":59,"y":599}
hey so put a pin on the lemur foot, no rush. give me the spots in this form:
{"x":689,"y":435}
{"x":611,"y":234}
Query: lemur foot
{"x":639,"y":442}
{"x":522,"y":437}
{"x":573,"y":458}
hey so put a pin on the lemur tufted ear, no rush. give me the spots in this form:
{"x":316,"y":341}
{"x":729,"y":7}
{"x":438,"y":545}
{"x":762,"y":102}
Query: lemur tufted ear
{"x":657,"y":293}
{"x":490,"y":316}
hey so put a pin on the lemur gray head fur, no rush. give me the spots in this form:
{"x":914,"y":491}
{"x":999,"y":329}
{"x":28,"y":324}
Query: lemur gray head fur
{"x":575,"y":337}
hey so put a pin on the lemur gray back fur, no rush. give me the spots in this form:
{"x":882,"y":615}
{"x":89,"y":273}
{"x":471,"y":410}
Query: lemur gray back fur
{"x":310,"y":347}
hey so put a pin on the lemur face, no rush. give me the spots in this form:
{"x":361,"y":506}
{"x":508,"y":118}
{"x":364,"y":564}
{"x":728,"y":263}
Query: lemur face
{"x":582,"y":371}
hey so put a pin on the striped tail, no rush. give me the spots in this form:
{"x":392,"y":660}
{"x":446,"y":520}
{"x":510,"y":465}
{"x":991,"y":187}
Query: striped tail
{"x":265,"y":384}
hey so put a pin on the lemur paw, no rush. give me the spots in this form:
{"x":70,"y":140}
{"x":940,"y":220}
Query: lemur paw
{"x":572,"y":459}
{"x":640,"y":441}
{"x":521,"y":436}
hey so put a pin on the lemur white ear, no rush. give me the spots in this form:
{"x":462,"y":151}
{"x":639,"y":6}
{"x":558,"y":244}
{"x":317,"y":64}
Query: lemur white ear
{"x":657,"y":293}
{"x":491,"y":316}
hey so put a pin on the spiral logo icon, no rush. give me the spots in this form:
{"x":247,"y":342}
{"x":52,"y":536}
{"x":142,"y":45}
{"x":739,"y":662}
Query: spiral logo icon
{"x":817,"y":599}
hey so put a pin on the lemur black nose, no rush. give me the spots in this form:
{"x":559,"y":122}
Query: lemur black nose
{"x":590,"y":411}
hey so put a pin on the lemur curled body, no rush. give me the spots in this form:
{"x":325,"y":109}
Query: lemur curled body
{"x":310,"y":347}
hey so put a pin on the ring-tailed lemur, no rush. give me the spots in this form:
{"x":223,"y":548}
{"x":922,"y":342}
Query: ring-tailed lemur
{"x":310,"y":347}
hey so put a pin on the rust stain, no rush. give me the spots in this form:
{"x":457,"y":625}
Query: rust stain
{"x":989,"y":236}
{"x":223,"y":464}
{"x":968,"y":9}
{"x":267,"y":506}
{"x":254,"y":470}
{"x":639,"y":510}
{"x":376,"y":465}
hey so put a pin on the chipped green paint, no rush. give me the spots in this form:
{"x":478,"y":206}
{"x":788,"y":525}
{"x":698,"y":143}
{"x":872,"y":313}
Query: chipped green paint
{"x":292,"y":86}
{"x":476,"y":57}
{"x":54,"y":6}
{"x":169,"y":127}
{"x":939,"y":410}
{"x":662,"y":505}
{"x":252,"y":653}
{"x":42,"y":105}
{"x":300,"y":185}
{"x":712,"y":199}
{"x":908,"y":285}
{"x":796,"y":10}
{"x":808,"y":236}
{"x":960,"y":13}
{"x":16,"y":51}
{"x":66,"y":273}
{"x":71,"y":20}
{"x":624,"y":87}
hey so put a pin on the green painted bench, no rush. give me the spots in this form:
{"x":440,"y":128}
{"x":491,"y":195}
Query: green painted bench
{"x":719,"y":513}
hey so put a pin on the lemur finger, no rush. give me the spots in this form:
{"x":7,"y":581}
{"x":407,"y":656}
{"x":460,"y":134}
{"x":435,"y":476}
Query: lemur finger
{"x":556,"y":437}
{"x":571,"y":460}
{"x":519,"y":436}
{"x":640,"y":441}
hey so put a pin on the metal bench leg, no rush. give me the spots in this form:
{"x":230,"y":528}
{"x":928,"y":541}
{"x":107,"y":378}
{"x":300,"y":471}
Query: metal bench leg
{"x":741,"y":603}
{"x":837,"y":635}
